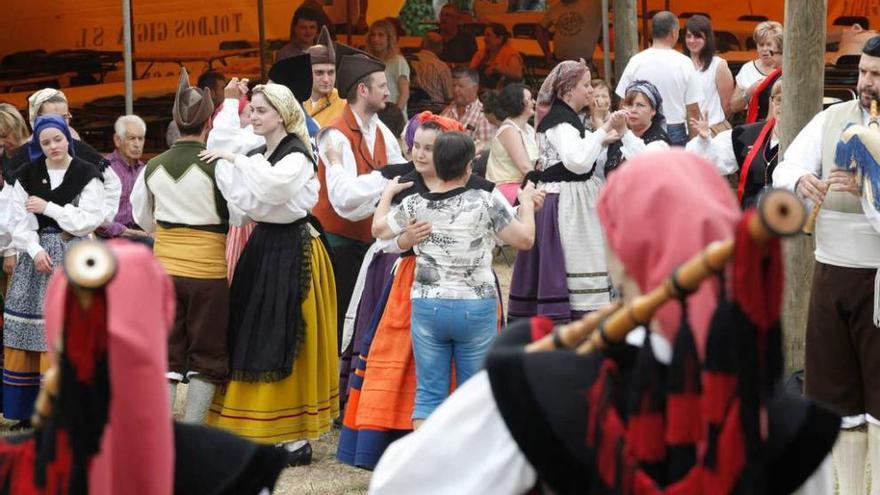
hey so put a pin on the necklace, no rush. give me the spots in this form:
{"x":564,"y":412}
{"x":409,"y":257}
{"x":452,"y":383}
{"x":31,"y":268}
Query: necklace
{"x":768,"y":160}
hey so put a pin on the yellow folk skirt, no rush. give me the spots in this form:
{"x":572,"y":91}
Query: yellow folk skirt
{"x":303,"y":405}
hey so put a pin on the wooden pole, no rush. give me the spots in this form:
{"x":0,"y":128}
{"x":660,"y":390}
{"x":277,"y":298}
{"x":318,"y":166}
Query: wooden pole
{"x":803,"y":69}
{"x":606,"y":44}
{"x":261,"y":18}
{"x":626,"y":34}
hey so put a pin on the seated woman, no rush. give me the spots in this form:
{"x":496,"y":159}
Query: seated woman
{"x":498,"y":61}
{"x":758,"y":76}
{"x":514,"y":149}
{"x":749,"y":149}
{"x":453,"y":276}
{"x":57,"y":198}
{"x":644,"y":126}
{"x":382,"y":44}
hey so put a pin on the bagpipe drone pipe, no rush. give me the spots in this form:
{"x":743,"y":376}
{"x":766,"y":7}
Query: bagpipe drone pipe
{"x":594,"y":414}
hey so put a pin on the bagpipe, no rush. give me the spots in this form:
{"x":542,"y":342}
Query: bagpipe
{"x":717,"y":423}
{"x":859,"y":150}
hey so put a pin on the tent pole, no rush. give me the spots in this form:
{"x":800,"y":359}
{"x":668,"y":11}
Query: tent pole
{"x":261,"y":17}
{"x":645,"y":42}
{"x":348,"y":21}
{"x":126,"y":56}
{"x":606,"y":49}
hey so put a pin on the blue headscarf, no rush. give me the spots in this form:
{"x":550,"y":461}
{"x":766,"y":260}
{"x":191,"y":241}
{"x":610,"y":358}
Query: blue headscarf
{"x":35,"y":151}
{"x":653,"y":95}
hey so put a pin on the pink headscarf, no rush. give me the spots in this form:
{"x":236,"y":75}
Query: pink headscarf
{"x":137,"y":449}
{"x":565,"y":74}
{"x":658,"y":211}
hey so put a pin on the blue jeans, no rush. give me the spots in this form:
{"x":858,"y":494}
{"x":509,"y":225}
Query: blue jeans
{"x":678,"y":134}
{"x":443,"y":330}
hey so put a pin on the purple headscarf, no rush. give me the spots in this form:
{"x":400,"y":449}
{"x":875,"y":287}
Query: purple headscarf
{"x":35,"y":151}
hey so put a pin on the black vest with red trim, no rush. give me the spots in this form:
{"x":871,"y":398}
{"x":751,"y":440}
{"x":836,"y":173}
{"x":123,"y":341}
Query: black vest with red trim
{"x":760,"y":172}
{"x":34,"y":178}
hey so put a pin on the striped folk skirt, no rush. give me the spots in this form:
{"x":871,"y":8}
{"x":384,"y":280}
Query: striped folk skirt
{"x":24,"y":335}
{"x":304,"y":404}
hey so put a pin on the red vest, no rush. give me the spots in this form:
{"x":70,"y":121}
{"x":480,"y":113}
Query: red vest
{"x":366,"y":163}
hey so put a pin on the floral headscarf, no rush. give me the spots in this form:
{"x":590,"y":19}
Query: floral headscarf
{"x":291,"y":112}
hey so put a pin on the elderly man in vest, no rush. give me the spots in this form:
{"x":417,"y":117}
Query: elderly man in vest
{"x":843,"y":338}
{"x":367,"y":145}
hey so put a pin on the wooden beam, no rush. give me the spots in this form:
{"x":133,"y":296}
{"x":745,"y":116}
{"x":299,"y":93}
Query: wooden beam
{"x":626,"y":34}
{"x":803,"y":69}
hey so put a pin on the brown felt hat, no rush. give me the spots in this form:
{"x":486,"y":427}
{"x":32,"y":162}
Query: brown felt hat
{"x":353,"y":67}
{"x":192,"y":106}
{"x":323,"y":52}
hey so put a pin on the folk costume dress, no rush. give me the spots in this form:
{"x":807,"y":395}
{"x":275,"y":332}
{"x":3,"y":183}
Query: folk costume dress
{"x":283,"y":349}
{"x":564,"y":275}
{"x":75,"y":197}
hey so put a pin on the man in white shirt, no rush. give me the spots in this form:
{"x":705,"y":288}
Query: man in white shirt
{"x":843,"y":339}
{"x":672,"y":72}
{"x":367,"y":145}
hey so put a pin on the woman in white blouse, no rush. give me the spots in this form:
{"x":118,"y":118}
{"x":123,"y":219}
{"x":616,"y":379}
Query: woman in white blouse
{"x":716,"y":80}
{"x":514,"y":149}
{"x":644,"y":129}
{"x":564,"y":274}
{"x":283,"y":387}
{"x":56,"y":199}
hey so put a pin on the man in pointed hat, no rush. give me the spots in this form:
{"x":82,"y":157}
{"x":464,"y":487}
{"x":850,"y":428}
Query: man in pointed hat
{"x":176,"y":197}
{"x":325,"y":105}
{"x":289,"y":72}
{"x":367,"y":145}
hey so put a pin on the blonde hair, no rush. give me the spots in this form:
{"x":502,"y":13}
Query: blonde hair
{"x":769,"y":30}
{"x":391,"y":49}
{"x":11,"y":122}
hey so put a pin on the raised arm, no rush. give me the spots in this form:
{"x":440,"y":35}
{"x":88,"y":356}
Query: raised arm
{"x":518,"y":231}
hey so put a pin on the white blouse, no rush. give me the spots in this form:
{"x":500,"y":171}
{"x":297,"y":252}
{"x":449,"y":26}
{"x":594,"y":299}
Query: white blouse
{"x":112,"y":193}
{"x":719,"y":150}
{"x":78,"y":219}
{"x":228,"y":135}
{"x":283,"y":193}
{"x":9,"y":217}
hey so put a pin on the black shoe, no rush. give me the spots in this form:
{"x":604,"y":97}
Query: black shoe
{"x":301,"y":456}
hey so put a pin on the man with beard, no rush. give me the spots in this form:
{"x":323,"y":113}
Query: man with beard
{"x":325,"y":105}
{"x":367,"y":145}
{"x":843,"y":338}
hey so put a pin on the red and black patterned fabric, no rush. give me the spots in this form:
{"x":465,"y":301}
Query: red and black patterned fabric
{"x":621,"y":422}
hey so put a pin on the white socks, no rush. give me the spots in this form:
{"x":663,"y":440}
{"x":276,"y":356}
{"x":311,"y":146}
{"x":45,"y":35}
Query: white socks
{"x":874,"y":457}
{"x":199,"y":395}
{"x":850,"y":453}
{"x":172,"y":394}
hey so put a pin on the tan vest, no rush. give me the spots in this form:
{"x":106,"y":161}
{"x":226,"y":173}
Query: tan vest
{"x":837,"y":118}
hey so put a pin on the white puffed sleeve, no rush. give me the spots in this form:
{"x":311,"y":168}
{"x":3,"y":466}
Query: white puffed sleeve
{"x":112,"y":192}
{"x":226,"y":132}
{"x":480,"y":451}
{"x":718,"y":150}
{"x":142,"y":204}
{"x":24,"y":229}
{"x":8,"y":220}
{"x":633,"y":145}
{"x":576,"y":153}
{"x":87,"y":215}
{"x":282,"y":193}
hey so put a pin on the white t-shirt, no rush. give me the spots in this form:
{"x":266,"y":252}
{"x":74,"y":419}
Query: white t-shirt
{"x":674,"y":75}
{"x":455,"y":261}
{"x":748,"y":74}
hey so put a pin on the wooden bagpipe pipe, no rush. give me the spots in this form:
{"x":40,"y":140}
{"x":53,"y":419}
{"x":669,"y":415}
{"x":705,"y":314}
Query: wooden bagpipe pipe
{"x":779,"y":214}
{"x":855,"y":152}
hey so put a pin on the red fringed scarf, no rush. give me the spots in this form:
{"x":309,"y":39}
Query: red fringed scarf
{"x":755,"y":101}
{"x":85,"y":334}
{"x":757,"y":276}
{"x":757,"y":147}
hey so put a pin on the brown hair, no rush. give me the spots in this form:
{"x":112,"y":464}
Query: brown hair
{"x":769,"y":29}
{"x":391,"y":33}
